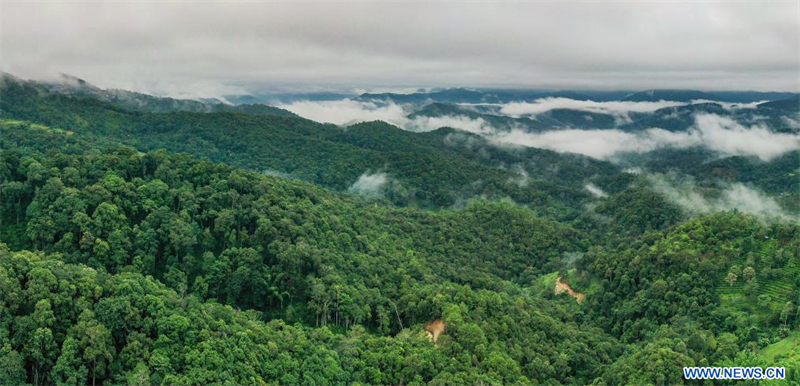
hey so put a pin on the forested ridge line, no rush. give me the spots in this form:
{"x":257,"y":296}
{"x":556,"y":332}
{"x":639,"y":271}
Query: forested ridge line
{"x":124,"y":264}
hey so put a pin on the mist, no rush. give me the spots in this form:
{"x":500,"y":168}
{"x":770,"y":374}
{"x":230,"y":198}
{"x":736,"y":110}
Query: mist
{"x":595,"y":191}
{"x":347,"y":111}
{"x":685,"y":193}
{"x":721,"y":134}
{"x":714,"y":132}
{"x":370,"y":184}
{"x":543,"y":105}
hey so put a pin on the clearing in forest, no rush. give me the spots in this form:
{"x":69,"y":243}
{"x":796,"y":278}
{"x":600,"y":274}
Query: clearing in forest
{"x":434,"y":329}
{"x":562,"y":287}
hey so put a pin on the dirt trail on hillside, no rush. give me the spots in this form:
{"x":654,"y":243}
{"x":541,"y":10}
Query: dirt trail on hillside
{"x":562,"y":287}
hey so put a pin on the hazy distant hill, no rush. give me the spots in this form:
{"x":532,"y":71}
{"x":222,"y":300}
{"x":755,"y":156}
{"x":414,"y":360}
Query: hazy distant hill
{"x":751,"y":96}
{"x":136,"y":101}
{"x":453,"y":95}
{"x":431,"y":169}
{"x":789,"y":104}
{"x":718,"y":96}
{"x":272,"y":98}
{"x":669,"y":95}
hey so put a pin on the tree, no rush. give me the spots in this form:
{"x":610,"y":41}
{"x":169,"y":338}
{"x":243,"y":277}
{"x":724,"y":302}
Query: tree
{"x":69,"y":369}
{"x":787,"y":310}
{"x":139,"y":376}
{"x":12,"y":367}
{"x":95,"y":341}
{"x":40,"y":350}
{"x":749,"y":274}
{"x":731,"y":278}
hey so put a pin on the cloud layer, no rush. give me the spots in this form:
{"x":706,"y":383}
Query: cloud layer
{"x":539,"y":106}
{"x":715,"y":132}
{"x":370,"y":184}
{"x":712,"y":131}
{"x":347,"y":111}
{"x":204,"y":48}
{"x":735,"y":196}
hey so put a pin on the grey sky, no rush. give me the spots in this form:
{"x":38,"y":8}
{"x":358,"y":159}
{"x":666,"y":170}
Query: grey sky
{"x":206,"y":49}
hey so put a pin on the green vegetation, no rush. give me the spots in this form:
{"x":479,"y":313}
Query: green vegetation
{"x":786,"y":347}
{"x":431,"y":169}
{"x":124,"y":263}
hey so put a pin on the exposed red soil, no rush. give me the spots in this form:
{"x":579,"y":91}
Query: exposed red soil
{"x":562,"y":287}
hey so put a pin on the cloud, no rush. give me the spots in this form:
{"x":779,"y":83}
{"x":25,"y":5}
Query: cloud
{"x":619,"y":109}
{"x":601,"y":144}
{"x":793,"y":123}
{"x":521,"y":179}
{"x":717,"y":133}
{"x":543,"y":105}
{"x":729,"y":137}
{"x":731,"y":105}
{"x":180,"y":47}
{"x":476,"y":126}
{"x":370,"y":184}
{"x":684,"y":192}
{"x":595,"y":191}
{"x":347,"y":111}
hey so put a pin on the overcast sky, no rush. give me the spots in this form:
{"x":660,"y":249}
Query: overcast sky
{"x":208,"y":49}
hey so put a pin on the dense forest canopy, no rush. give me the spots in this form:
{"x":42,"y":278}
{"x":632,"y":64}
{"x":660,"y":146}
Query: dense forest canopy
{"x":149,"y":241}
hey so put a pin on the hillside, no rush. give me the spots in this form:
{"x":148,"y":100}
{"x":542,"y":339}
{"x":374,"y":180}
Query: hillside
{"x":669,"y":95}
{"x":73,"y":86}
{"x":430,"y":169}
{"x":141,"y":247}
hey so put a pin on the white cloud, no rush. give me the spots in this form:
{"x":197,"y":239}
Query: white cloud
{"x":598,"y":45}
{"x":600,"y":144}
{"x":476,"y":126}
{"x":793,"y":123}
{"x":727,"y":136}
{"x":370,"y":184}
{"x":595,"y":191}
{"x":735,"y":196}
{"x":347,"y":111}
{"x":539,"y":106}
{"x":732,"y":106}
{"x":717,"y":133}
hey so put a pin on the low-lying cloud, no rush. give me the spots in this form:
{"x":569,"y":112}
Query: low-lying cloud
{"x":543,"y":105}
{"x":727,"y":136}
{"x":595,"y":191}
{"x":601,"y":144}
{"x":476,"y":126}
{"x":369,"y":184}
{"x":717,"y":133}
{"x":347,"y":111}
{"x":685,"y":193}
{"x":714,"y":132}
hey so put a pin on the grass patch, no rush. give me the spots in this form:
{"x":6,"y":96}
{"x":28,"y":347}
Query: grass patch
{"x":784,"y":348}
{"x":9,"y":123}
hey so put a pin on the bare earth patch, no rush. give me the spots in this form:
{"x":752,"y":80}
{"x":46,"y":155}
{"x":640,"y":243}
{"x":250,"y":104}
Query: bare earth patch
{"x":434,"y":329}
{"x":562,"y":287}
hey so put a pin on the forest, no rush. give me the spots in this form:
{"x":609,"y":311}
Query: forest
{"x":147,"y":246}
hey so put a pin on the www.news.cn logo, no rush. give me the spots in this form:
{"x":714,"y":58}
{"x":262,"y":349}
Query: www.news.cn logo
{"x":734,"y":373}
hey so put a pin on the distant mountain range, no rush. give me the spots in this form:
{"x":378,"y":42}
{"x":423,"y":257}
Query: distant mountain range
{"x":780,"y":112}
{"x":462,"y":95}
{"x":270,"y":139}
{"x":131,"y":100}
